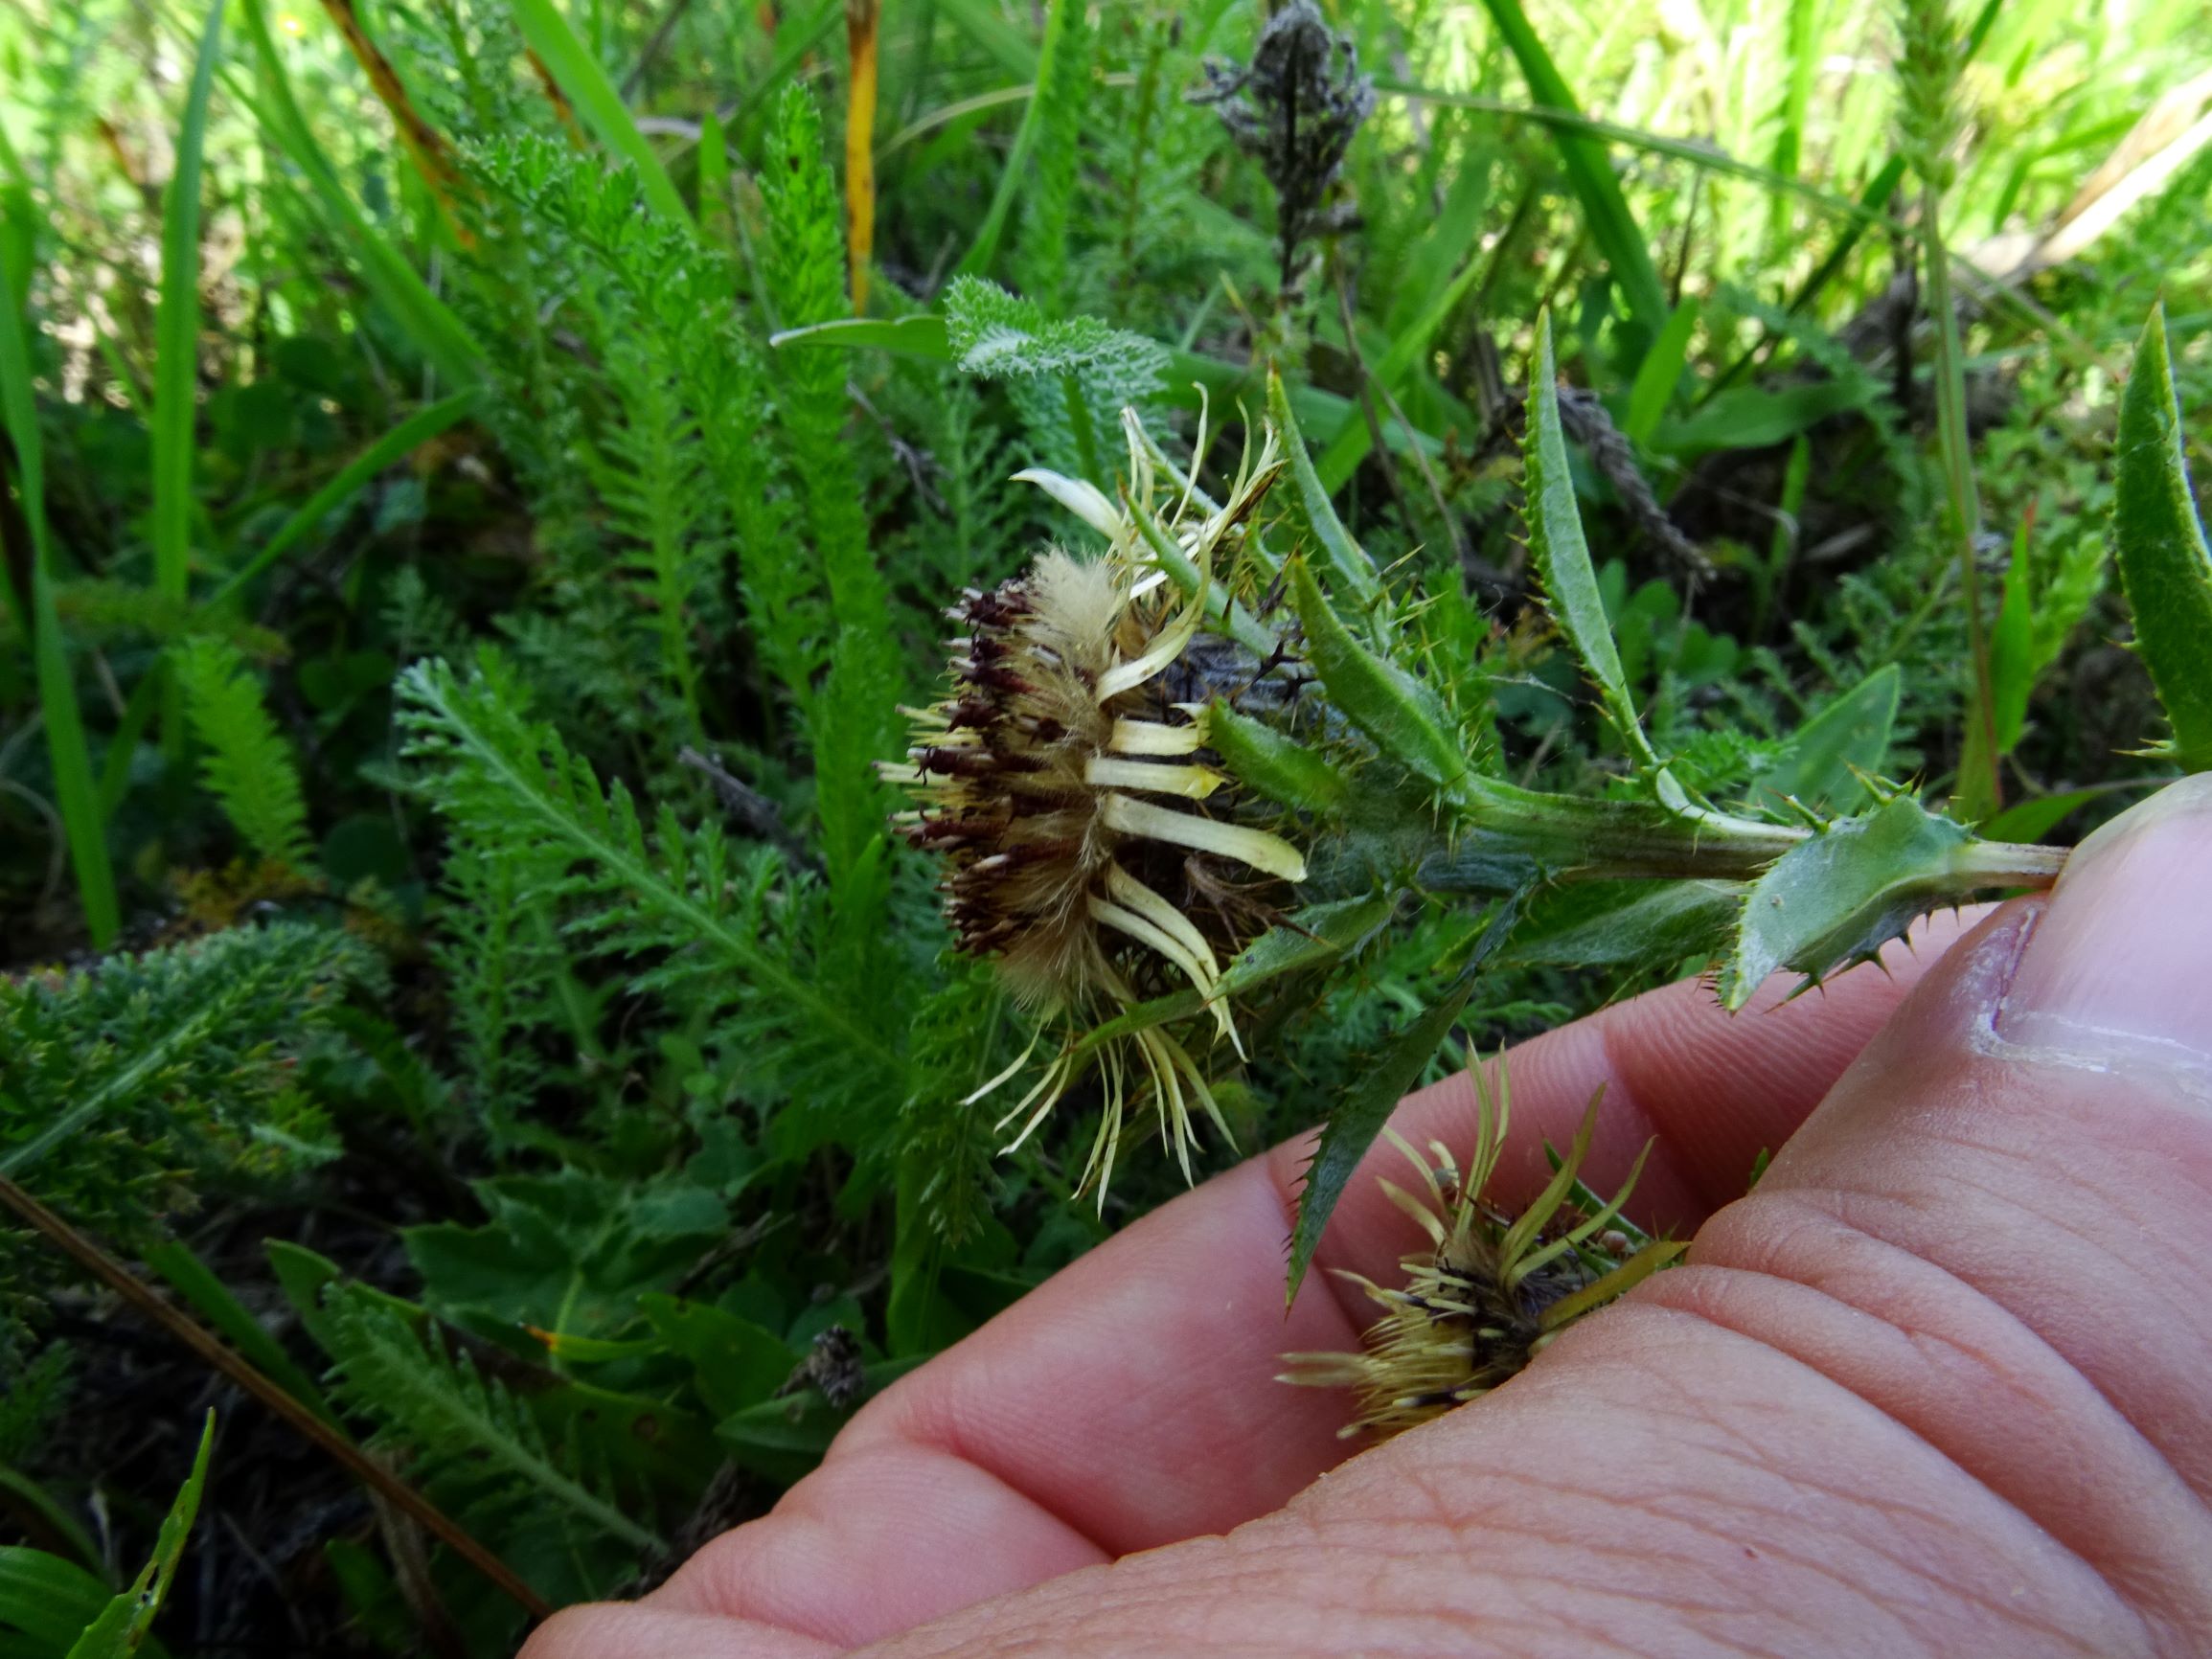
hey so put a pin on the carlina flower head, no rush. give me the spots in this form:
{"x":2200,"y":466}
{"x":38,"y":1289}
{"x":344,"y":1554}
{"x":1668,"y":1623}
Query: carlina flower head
{"x":1492,"y":1289}
{"x":1092,"y":852}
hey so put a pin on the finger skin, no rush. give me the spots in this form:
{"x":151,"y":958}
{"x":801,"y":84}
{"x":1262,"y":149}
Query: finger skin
{"x":1937,"y":1387}
{"x":1130,"y":1401}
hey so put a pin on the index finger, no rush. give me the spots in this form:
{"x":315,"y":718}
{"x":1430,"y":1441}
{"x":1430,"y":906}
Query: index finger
{"x":1129,"y":1401}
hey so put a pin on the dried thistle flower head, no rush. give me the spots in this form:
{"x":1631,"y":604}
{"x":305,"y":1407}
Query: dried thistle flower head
{"x":1492,"y":1289}
{"x":1092,"y":852}
{"x":1294,"y":109}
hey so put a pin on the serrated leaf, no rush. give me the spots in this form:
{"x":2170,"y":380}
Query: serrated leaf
{"x":1562,"y":558}
{"x":2159,"y":543}
{"x":1317,"y":934}
{"x":1820,"y":762}
{"x":1842,"y":894}
{"x":1348,"y":560}
{"x":1359,"y":1116}
{"x":1404,"y":718}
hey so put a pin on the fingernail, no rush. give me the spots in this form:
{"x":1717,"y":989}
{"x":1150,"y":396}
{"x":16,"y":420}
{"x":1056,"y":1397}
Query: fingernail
{"x":2121,"y":963}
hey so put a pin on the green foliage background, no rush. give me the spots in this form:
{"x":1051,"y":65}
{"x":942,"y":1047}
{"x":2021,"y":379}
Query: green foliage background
{"x":447,"y":923}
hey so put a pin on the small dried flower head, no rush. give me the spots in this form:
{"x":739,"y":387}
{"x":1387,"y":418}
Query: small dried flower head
{"x":1295,"y":108}
{"x":1089,"y":845}
{"x":1492,"y":1291}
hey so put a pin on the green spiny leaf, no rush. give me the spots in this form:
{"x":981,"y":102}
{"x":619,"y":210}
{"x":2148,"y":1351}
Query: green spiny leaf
{"x":1359,"y":1116}
{"x":1404,"y":718}
{"x":2159,"y":543}
{"x":1563,"y":559}
{"x":1842,"y":895}
{"x":1278,"y":766}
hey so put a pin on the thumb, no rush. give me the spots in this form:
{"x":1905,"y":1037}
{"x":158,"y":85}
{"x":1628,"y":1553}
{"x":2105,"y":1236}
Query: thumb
{"x":1998,"y":1228}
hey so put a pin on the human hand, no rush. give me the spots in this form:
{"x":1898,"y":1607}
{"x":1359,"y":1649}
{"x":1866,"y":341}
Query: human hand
{"x":1943,"y":1384}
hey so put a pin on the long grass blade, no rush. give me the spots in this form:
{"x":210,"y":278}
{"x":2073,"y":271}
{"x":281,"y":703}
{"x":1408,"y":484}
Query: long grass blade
{"x":176,"y":359}
{"x":440,"y":337}
{"x":985,"y":250}
{"x":417,"y":430}
{"x":597,"y":101}
{"x":1613,"y":226}
{"x":71,"y":757}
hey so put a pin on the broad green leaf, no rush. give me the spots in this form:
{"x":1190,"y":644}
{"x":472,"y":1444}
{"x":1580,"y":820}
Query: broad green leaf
{"x":1404,"y":718}
{"x":2033,"y":819}
{"x":2159,"y":543}
{"x":1752,"y":418}
{"x":567,"y":1252}
{"x":1359,"y":1116}
{"x":1348,"y":562}
{"x":737,"y":1363}
{"x":1563,"y":559}
{"x":1820,"y":764}
{"x":1277,"y":765}
{"x":598,"y":103}
{"x":120,"y":1628}
{"x":1658,"y":374}
{"x":1842,"y":895}
{"x":922,"y":336}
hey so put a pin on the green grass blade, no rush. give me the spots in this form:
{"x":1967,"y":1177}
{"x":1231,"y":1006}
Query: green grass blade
{"x":1613,"y":227}
{"x":1658,"y":375}
{"x":46,"y":1599}
{"x":418,"y":429}
{"x":121,"y":1629}
{"x":176,"y":356}
{"x":69,"y":754}
{"x":598,"y":103}
{"x":2159,"y":543}
{"x":199,"y":1285}
{"x":1569,"y":123}
{"x":981,"y":254}
{"x":1562,"y":558}
{"x":436,"y":331}
{"x":982,"y":22}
